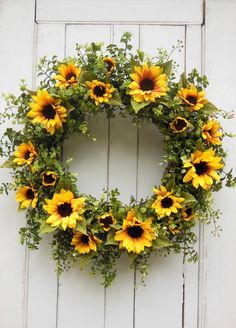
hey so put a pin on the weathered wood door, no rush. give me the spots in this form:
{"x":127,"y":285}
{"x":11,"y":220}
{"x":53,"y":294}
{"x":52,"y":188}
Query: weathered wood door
{"x":177,"y":294}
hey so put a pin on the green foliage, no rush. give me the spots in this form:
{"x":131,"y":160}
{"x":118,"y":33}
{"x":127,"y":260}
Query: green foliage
{"x":170,"y":232}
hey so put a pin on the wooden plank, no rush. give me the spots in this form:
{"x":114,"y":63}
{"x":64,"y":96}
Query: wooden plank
{"x":190,"y":271}
{"x":219,"y":285}
{"x":168,"y":12}
{"x":164,"y":284}
{"x":79,"y":291}
{"x":122,"y":174}
{"x":42,"y":275}
{"x":16,"y":62}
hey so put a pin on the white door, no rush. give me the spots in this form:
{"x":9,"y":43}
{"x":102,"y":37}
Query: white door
{"x":177,"y":294}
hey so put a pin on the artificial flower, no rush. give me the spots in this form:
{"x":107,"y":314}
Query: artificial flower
{"x":47,"y":111}
{"x":25,"y":154}
{"x":49,"y":178}
{"x":192,"y":97}
{"x":188,"y":214}
{"x":180,"y":124}
{"x":106,"y":220}
{"x":148,"y":83}
{"x":135,"y":234}
{"x":65,"y":209}
{"x":27,"y":196}
{"x":166,"y":202}
{"x":68,"y":75}
{"x":99,"y":91}
{"x":202,"y":167}
{"x":85,"y":243}
{"x":211,"y":133}
{"x":110,"y":64}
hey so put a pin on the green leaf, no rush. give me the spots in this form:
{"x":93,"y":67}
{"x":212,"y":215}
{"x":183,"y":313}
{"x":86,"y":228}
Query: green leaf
{"x":161,"y":242}
{"x":84,"y":260}
{"x":46,"y":228}
{"x":110,"y":238}
{"x":115,"y":100}
{"x":8,"y":164}
{"x":183,"y":83}
{"x":209,"y":108}
{"x":81,"y":227}
{"x":138,"y":105}
{"x":167,"y":67}
{"x":189,"y":198}
{"x":86,"y":76}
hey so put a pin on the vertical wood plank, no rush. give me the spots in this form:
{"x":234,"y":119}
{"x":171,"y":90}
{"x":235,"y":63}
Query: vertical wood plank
{"x":16,"y":61}
{"x":42,"y":275}
{"x":79,"y":291}
{"x":220,"y":263}
{"x":190,"y":271}
{"x":164,"y":283}
{"x":122,"y":175}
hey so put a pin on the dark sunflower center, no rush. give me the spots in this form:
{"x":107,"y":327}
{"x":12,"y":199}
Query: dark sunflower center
{"x":84,"y":239}
{"x":69,"y":76}
{"x":65,"y":209}
{"x":135,"y":231}
{"x":49,"y":112}
{"x":192,"y":100}
{"x":27,"y":154}
{"x":107,"y":221}
{"x":30,"y":194}
{"x":201,"y":167}
{"x":99,"y":90}
{"x":147,"y":85}
{"x":179,"y":124}
{"x":166,"y":202}
{"x":188,"y":211}
{"x":109,"y":65}
{"x":48,"y":178}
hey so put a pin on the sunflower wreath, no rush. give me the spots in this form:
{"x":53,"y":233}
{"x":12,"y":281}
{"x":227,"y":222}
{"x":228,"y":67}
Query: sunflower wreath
{"x":97,"y":231}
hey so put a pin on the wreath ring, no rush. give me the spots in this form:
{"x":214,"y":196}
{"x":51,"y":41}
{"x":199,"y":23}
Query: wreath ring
{"x":115,"y":81}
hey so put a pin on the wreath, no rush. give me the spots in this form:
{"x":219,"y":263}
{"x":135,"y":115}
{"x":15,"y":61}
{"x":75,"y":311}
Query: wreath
{"x":115,"y":81}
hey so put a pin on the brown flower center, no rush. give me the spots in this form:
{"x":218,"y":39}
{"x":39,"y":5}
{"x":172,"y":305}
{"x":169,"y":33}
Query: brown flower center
{"x":29,"y":194}
{"x":192,"y":100}
{"x":201,"y":167}
{"x":166,"y":202}
{"x":84,"y":239}
{"x":109,"y":64}
{"x":27,"y":154}
{"x":107,"y":221}
{"x":135,"y":231}
{"x":65,"y":209}
{"x":147,"y":84}
{"x":99,"y":90}
{"x":49,"y":178}
{"x":49,"y":112}
{"x":70,"y":76}
{"x":179,"y":124}
{"x":188,"y":211}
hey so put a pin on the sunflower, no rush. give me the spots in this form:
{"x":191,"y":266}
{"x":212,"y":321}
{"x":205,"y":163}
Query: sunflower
{"x":47,"y":110}
{"x":65,"y":209}
{"x":202,"y":168}
{"x":85,"y":243}
{"x":166,"y":203}
{"x":188,"y":214}
{"x":148,"y":83}
{"x":135,"y":234}
{"x":49,"y":178}
{"x":106,"y":220}
{"x":211,"y":133}
{"x":99,"y":91}
{"x":25,"y":154}
{"x":193,"y":98}
{"x":180,"y":124}
{"x":68,"y":75}
{"x":27,"y":196}
{"x":174,"y":226}
{"x":110,"y":64}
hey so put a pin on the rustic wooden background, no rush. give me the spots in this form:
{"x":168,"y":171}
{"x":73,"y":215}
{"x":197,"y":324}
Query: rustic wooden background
{"x":177,"y":295}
